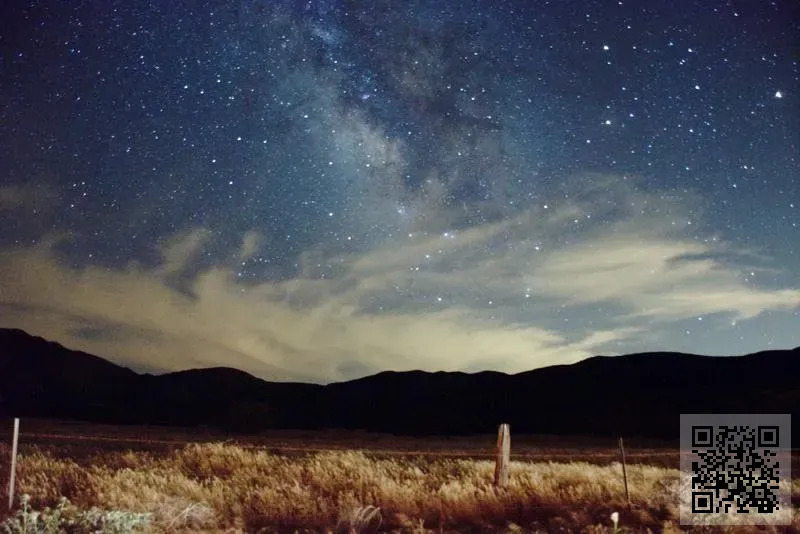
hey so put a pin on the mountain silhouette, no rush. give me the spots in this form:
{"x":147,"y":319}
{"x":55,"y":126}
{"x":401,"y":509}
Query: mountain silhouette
{"x":631,"y":395}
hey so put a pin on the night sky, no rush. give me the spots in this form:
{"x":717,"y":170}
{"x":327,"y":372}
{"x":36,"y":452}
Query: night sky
{"x":322,"y":190}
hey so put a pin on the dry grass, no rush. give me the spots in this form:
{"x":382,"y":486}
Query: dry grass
{"x":216,"y":487}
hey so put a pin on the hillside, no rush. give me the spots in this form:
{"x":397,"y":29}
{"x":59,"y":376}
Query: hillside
{"x":636,"y":394}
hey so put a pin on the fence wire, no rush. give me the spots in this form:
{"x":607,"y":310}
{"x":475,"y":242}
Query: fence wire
{"x":370,"y":450}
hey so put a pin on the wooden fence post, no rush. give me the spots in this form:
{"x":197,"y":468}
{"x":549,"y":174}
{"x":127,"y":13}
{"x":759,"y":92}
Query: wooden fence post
{"x":503,"y":455}
{"x":624,"y":471}
{"x":13,"y":464}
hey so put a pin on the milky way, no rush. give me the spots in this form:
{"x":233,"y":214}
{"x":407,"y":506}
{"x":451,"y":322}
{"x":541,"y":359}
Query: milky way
{"x":321,"y":190}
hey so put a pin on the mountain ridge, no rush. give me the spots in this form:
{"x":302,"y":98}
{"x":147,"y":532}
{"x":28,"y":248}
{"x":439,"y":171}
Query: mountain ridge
{"x":635,"y":394}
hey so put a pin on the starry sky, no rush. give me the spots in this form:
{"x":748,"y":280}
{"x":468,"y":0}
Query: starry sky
{"x":320,"y":190}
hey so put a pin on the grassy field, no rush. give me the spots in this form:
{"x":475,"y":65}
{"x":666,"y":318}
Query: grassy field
{"x":253,"y":486}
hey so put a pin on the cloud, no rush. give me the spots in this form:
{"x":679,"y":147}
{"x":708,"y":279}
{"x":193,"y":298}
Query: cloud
{"x":179,"y":249}
{"x":511,"y":295}
{"x":662,"y":279}
{"x":251,"y":244}
{"x":254,"y":329}
{"x":32,"y":197}
{"x":26,"y":211}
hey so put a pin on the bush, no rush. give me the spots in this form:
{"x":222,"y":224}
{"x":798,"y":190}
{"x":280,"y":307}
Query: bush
{"x":67,"y":518}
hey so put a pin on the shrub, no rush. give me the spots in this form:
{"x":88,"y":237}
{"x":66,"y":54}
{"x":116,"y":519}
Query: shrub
{"x":67,"y":518}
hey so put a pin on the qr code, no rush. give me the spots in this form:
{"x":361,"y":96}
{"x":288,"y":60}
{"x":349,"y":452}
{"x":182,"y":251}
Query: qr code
{"x":735,"y":464}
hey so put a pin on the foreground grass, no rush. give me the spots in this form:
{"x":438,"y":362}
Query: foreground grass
{"x":222,"y":487}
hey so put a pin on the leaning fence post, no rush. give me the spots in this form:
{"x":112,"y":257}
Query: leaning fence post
{"x":503,"y":455}
{"x":624,"y":471}
{"x":13,"y":464}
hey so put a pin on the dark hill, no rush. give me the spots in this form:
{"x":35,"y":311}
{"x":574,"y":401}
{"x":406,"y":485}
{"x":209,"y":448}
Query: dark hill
{"x":41,"y":377}
{"x":632,"y":395}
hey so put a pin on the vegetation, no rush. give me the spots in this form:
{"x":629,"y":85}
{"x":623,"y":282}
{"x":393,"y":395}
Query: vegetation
{"x":67,"y":518}
{"x":221,"y":487}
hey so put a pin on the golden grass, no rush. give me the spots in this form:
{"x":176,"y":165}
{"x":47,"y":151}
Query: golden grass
{"x":216,"y":487}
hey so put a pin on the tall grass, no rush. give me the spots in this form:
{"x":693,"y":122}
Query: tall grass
{"x":222,"y":487}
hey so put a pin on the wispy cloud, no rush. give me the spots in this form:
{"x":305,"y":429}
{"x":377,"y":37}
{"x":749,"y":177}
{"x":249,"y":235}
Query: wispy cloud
{"x":180,"y":249}
{"x":480,"y":298}
{"x":662,"y":279}
{"x":255,"y":328}
{"x":26,"y":210}
{"x":30,"y":197}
